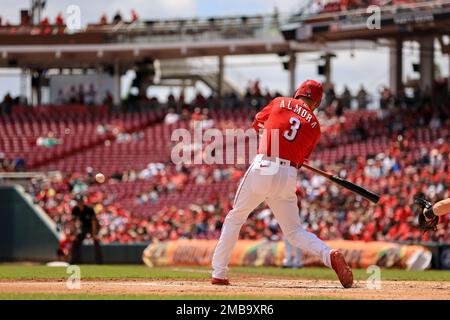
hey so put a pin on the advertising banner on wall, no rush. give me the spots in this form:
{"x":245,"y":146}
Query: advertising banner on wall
{"x":359,"y":254}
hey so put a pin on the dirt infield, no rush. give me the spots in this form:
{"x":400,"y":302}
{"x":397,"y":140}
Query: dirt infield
{"x":249,"y":287}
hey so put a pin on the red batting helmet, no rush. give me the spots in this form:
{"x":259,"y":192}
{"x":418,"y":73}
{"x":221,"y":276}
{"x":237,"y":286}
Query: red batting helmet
{"x":310,"y":89}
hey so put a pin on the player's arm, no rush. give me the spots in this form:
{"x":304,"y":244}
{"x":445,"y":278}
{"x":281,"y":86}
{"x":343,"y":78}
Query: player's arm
{"x":438,"y":209}
{"x":429,"y":214}
{"x":262,"y":117}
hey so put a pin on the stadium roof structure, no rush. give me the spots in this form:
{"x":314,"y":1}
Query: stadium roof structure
{"x":384,"y":26}
{"x":407,"y":20}
{"x":59,"y":47}
{"x":121,"y":46}
{"x":45,"y":47}
{"x":51,"y":47}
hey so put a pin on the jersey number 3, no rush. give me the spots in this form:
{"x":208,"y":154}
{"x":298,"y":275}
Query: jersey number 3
{"x":291,"y":134}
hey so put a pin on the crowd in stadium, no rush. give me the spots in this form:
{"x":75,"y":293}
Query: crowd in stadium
{"x":83,"y":95}
{"x":325,"y":209}
{"x":407,"y":166}
{"x":11,"y":165}
{"x":59,"y":20}
{"x":51,"y":25}
{"x":55,"y":195}
{"x":329,"y":6}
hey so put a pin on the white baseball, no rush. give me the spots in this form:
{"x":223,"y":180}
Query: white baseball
{"x":100,"y":178}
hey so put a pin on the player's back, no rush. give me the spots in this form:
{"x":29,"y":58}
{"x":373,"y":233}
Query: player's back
{"x":296,"y":126}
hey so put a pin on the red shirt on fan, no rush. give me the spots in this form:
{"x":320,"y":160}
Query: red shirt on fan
{"x":298,"y":129}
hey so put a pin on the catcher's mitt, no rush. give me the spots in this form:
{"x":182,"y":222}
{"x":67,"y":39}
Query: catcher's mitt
{"x":426,"y":212}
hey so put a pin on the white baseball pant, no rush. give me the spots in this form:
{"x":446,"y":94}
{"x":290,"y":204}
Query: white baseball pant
{"x":288,"y":260}
{"x":273,"y":182}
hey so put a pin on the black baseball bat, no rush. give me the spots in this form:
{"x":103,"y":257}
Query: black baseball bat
{"x":369,"y":195}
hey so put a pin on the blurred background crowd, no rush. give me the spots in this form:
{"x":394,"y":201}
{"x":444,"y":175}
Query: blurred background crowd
{"x":414,"y":158}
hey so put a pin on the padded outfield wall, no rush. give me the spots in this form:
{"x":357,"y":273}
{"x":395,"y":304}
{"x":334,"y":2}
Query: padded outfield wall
{"x":26,"y":232}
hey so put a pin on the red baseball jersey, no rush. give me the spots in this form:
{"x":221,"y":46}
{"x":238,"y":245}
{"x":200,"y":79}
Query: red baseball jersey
{"x":293,"y":124}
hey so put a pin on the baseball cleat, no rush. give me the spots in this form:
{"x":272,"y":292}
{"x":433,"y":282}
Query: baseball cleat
{"x":220,"y":282}
{"x":341,"y":268}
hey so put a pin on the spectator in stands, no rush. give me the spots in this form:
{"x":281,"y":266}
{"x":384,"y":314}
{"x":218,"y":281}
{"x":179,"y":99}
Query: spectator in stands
{"x":19,"y":164}
{"x":417,"y":94}
{"x":211,"y":101}
{"x":200,"y":100}
{"x":80,"y":98}
{"x":316,"y":7}
{"x":59,"y":21}
{"x":103,"y":20}
{"x":267,"y":97}
{"x":337,"y":107}
{"x":49,"y":141}
{"x":6,"y":166}
{"x":330,"y":95}
{"x":91,"y":95}
{"x":73,"y":95}
{"x":362,"y":98}
{"x":7,"y":104}
{"x":401,"y":100}
{"x":171,"y":117}
{"x":171,"y":103}
{"x":185,"y":114}
{"x":207,"y":121}
{"x":117,"y":18}
{"x":108,"y":100}
{"x":435,"y":122}
{"x":134,"y":16}
{"x":60,"y":99}
{"x":2,"y":162}
{"x":181,"y":101}
{"x":248,"y":90}
{"x":231,"y":101}
{"x":426,"y":95}
{"x":256,"y":89}
{"x":346,"y":98}
{"x":45,"y":22}
{"x":386,"y":98}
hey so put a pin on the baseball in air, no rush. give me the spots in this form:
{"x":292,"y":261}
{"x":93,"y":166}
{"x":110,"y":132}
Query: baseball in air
{"x":100,"y":178}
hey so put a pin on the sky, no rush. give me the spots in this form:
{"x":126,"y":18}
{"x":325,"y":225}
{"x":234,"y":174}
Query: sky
{"x":359,"y":67}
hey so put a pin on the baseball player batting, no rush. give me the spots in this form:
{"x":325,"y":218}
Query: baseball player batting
{"x":273,"y":179}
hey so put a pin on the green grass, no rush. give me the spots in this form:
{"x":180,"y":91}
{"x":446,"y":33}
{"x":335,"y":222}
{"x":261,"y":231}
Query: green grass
{"x":36,"y":272}
{"x":124,"y":272}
